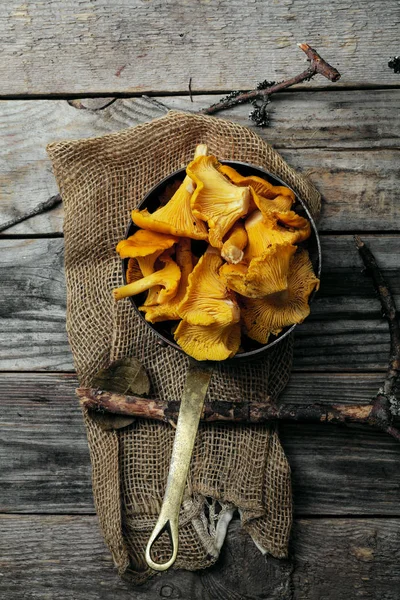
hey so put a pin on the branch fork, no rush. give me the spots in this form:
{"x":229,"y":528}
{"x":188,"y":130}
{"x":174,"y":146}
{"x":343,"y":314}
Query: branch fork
{"x":318,"y":65}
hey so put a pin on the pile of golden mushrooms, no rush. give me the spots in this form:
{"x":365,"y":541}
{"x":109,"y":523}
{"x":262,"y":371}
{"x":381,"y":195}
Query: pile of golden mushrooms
{"x":252,"y":278}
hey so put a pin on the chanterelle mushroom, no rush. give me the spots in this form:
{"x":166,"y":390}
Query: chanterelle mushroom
{"x":297,"y":224}
{"x":208,"y":342}
{"x":133,"y":272}
{"x":266,"y":274}
{"x":143,"y":243}
{"x":146,"y":265}
{"x":259,"y":185}
{"x":176,"y":217}
{"x":168,"y":311}
{"x":146,"y":247}
{"x":236,"y":240}
{"x":207,"y":299}
{"x":276,"y":311}
{"x":280,"y":203}
{"x":263,"y":232}
{"x":260,"y":235}
{"x":215,"y":199}
{"x":168,"y":278}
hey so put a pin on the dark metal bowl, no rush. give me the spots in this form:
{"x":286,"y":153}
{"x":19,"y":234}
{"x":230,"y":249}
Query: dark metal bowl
{"x":151,"y":202}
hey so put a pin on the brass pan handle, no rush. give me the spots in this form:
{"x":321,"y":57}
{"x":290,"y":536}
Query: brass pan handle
{"x":197,"y":380}
{"x":164,"y":523}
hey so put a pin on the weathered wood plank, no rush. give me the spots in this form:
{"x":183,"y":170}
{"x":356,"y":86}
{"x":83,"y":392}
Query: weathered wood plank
{"x":340,"y":119}
{"x":136,"y":46}
{"x":360,"y":191}
{"x":43,"y":446}
{"x":329,"y":388}
{"x":32,"y":306}
{"x":344,"y":332}
{"x":341,"y":471}
{"x":46,"y":469}
{"x":64,"y":558}
{"x":26,"y":174}
{"x":337,"y":560}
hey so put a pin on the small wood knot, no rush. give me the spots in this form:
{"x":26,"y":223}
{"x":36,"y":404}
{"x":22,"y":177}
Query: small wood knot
{"x":167,"y":591}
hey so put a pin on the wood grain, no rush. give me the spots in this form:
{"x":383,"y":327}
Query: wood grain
{"x":33,"y":305}
{"x":65,"y":47}
{"x":64,"y":558}
{"x":45,"y":459}
{"x":332,"y":130}
{"x":344,"y":332}
{"x":337,"y":560}
{"x":43,"y":446}
{"x":340,"y":119}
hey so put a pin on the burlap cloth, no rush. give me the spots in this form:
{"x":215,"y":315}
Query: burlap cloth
{"x":233,"y":466}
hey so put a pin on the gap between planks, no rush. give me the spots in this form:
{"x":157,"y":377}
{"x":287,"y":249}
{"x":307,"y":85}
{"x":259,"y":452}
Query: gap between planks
{"x":113,"y":95}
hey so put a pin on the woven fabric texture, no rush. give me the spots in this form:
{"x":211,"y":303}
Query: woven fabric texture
{"x":233,"y":466}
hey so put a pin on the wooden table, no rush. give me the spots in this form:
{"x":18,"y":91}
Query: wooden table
{"x":345,"y":136}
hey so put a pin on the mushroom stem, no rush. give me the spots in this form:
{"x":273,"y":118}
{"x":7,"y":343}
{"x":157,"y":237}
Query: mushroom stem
{"x":137,"y":287}
{"x":201,"y":150}
{"x":168,"y":278}
{"x":232,"y":249}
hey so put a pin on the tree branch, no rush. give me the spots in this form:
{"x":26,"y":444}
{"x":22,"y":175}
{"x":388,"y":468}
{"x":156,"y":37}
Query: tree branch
{"x":234,"y":412}
{"x":389,"y":311}
{"x":385,"y":403}
{"x":39,"y":209}
{"x":317,"y":66}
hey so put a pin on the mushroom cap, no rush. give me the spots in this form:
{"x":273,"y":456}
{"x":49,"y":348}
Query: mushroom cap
{"x":266,"y":274}
{"x":265,"y":231}
{"x":261,"y":186}
{"x":267,"y":206}
{"x":234,"y":277}
{"x":236,"y":240}
{"x":176,"y":217}
{"x":207,"y":299}
{"x":297,"y":224}
{"x":168,"y":278}
{"x":146,"y":263}
{"x":143,"y":243}
{"x":215,"y":199}
{"x":272,"y":313}
{"x":208,"y":342}
{"x":168,"y":311}
{"x":262,"y":233}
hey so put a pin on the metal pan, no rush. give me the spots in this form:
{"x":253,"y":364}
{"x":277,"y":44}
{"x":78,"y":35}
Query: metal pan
{"x":199,"y":373}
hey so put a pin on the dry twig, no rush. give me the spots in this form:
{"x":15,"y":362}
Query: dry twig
{"x":385,"y":403}
{"x":234,"y":412}
{"x":317,"y":66}
{"x":39,"y":209}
